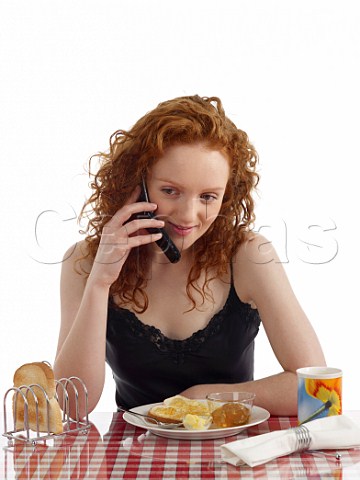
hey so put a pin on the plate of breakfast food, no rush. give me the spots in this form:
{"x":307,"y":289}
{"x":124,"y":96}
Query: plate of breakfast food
{"x":195,"y":419}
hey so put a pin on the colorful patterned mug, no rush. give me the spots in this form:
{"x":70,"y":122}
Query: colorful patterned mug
{"x":319,"y":393}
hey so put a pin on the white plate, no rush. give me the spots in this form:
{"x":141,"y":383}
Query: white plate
{"x":258,"y":415}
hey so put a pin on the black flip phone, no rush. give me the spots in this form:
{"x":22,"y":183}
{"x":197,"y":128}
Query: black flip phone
{"x":165,"y":242}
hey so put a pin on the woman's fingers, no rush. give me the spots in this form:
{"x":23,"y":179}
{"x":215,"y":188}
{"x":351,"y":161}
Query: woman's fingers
{"x":142,"y":223}
{"x":117,"y":235}
{"x":114,"y":249}
{"x":143,"y":239}
{"x":128,"y":210}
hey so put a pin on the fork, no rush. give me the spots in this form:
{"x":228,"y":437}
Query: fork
{"x":320,"y":453}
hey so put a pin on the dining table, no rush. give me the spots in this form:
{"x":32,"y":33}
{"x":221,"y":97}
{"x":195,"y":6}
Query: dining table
{"x":112,"y":448}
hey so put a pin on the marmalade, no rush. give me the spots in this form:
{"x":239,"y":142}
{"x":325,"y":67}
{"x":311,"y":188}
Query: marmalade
{"x":230,"y":415}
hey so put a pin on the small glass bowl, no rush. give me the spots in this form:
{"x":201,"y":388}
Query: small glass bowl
{"x":230,"y":409}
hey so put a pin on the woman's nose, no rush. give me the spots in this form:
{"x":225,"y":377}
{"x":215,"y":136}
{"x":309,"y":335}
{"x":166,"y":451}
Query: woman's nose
{"x":187,"y":211}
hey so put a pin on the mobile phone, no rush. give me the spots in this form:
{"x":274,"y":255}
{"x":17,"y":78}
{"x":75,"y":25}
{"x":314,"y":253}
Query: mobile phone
{"x":165,"y":242}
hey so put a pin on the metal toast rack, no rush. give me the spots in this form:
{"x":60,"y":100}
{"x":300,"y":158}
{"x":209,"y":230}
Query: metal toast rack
{"x":25,"y":433}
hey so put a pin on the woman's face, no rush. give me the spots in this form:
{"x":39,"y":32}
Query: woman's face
{"x":188,"y":184}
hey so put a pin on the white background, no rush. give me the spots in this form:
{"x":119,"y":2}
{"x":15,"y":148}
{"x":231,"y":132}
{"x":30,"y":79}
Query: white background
{"x":287,"y":73}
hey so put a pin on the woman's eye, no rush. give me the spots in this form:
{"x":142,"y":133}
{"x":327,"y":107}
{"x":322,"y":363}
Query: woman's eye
{"x":208,"y":197}
{"x":168,"y":191}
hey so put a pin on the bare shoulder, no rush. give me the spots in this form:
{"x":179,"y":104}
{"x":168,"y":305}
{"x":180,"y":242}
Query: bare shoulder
{"x":255,"y":265}
{"x":256,"y":250}
{"x":77,"y":253}
{"x":75,"y":265}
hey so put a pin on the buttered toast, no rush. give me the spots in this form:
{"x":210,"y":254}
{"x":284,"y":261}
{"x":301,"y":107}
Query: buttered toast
{"x":174,"y":409}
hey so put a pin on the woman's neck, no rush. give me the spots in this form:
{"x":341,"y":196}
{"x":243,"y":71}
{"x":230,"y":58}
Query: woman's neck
{"x":159,"y":263}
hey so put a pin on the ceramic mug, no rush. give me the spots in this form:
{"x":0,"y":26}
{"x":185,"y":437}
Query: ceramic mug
{"x":319,"y":393}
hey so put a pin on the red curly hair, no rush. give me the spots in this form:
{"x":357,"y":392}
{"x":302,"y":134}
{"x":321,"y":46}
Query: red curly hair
{"x":183,"y":120}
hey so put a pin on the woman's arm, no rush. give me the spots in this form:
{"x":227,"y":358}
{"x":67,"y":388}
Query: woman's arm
{"x":82,"y":339}
{"x":81,"y":344}
{"x":260,"y":280}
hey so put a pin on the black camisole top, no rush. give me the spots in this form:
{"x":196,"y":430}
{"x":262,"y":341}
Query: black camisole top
{"x":149,"y":367}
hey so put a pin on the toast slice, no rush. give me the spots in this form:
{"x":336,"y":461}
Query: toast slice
{"x":38,"y":376}
{"x":174,"y":409}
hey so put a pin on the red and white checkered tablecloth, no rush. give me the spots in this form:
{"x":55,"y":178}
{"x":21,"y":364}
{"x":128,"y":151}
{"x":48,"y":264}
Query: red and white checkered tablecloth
{"x":124,"y":451}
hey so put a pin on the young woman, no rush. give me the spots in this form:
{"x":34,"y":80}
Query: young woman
{"x":186,"y":327}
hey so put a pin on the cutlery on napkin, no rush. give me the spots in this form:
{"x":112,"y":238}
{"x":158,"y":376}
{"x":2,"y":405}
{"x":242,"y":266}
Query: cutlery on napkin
{"x":335,"y":432}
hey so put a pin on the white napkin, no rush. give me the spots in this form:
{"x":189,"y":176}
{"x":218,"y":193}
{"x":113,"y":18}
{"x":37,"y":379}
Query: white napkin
{"x":335,"y":432}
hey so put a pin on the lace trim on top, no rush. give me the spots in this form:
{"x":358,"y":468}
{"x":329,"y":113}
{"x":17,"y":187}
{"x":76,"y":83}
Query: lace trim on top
{"x":191,"y":344}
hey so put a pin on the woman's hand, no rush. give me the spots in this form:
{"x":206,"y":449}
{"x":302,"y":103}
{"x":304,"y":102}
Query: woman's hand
{"x":119,"y":236}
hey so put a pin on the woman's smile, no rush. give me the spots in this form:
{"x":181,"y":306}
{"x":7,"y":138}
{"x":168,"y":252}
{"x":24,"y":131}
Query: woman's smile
{"x":180,"y":229}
